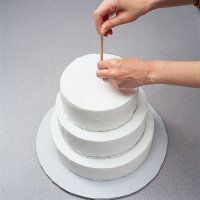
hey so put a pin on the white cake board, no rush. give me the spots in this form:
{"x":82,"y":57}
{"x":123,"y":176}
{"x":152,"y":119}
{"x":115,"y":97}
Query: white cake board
{"x":65,"y":179}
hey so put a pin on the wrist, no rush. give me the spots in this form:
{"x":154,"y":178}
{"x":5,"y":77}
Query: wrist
{"x":155,"y":4}
{"x":152,"y":72}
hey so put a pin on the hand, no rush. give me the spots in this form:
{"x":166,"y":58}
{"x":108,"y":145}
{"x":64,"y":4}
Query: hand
{"x":112,"y":13}
{"x":130,"y":73}
{"x":124,"y":73}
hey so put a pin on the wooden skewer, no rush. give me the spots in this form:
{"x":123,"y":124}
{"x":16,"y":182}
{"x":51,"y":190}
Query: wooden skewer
{"x":101,"y":49}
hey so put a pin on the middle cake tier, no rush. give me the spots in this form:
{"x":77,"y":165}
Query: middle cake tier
{"x":108,"y":143}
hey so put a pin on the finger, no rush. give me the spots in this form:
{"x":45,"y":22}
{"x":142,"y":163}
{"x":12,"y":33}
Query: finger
{"x":119,"y":85}
{"x":102,"y":73}
{"x":127,"y":84}
{"x":103,"y":64}
{"x":106,"y":79}
{"x":109,"y":32}
{"x":112,"y":22}
{"x":106,"y":34}
{"x":102,"y":13}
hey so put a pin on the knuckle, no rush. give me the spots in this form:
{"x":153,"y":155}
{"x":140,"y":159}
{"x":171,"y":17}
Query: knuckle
{"x":114,"y":74}
{"x":114,"y":62}
{"x":99,"y":64}
{"x":112,"y":5}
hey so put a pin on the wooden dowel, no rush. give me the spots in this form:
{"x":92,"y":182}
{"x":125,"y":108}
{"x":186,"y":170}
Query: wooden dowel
{"x":101,"y":49}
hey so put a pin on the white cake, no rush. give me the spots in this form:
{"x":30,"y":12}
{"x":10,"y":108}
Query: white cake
{"x":100,"y":132}
{"x":90,"y":102}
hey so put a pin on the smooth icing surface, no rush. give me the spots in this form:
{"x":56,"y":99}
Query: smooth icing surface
{"x":103,"y":168}
{"x":109,"y":143}
{"x":100,"y":132}
{"x":90,"y":102}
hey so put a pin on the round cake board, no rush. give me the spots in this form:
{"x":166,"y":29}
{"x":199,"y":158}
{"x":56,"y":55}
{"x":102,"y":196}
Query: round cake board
{"x":74,"y":184}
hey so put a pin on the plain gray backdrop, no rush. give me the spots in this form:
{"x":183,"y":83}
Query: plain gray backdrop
{"x":40,"y":38}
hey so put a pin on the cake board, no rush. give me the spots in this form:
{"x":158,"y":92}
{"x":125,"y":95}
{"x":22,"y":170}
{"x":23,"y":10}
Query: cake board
{"x":121,"y":187}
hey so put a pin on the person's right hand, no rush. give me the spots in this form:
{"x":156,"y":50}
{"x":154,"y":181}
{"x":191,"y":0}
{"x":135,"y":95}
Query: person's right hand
{"x":112,"y":13}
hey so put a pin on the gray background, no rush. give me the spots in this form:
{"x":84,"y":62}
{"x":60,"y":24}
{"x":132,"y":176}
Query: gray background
{"x":40,"y":38}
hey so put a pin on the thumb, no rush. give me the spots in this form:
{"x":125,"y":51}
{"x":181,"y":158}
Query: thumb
{"x":112,"y":22}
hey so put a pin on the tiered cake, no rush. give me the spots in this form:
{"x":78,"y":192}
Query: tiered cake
{"x":102,"y":133}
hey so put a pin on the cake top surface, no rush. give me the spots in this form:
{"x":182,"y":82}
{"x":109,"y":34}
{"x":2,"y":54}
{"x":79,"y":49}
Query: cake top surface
{"x":80,"y":86}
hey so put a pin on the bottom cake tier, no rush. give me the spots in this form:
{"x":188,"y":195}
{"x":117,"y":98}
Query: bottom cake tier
{"x":103,"y":168}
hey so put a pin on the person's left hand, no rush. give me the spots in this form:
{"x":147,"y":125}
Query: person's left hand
{"x":124,"y":73}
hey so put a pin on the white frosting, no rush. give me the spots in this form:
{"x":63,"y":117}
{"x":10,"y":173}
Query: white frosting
{"x":90,"y":102}
{"x":100,"y":132}
{"x":103,"y":168}
{"x":109,"y":143}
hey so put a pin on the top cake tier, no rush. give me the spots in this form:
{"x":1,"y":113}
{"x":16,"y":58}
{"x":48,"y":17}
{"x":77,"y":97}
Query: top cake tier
{"x":91,"y":103}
